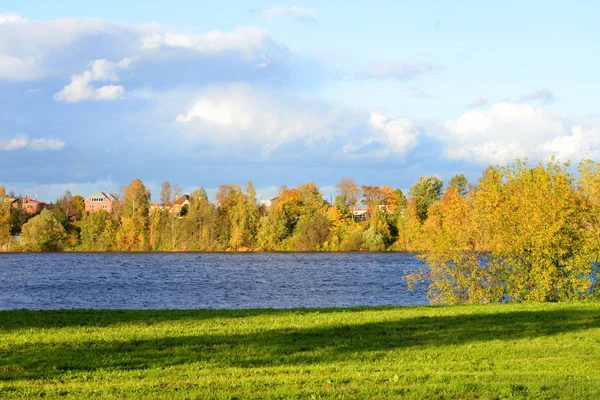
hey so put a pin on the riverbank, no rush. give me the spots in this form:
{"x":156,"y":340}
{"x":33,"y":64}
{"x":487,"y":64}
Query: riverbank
{"x":492,"y":351}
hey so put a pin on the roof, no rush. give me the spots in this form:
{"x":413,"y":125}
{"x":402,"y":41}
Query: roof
{"x":182,"y":200}
{"x":102,"y":195}
{"x":27,"y":199}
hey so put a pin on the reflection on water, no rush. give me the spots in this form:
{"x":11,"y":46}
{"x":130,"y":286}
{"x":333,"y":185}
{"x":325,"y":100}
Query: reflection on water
{"x":205,"y":280}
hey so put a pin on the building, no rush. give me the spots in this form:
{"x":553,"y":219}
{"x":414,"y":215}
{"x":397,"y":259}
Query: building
{"x":29,"y":205}
{"x":180,"y":204}
{"x":360,"y":214}
{"x":100,"y":201}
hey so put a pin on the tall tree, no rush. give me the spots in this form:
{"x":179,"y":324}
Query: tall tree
{"x":133,"y":217}
{"x":372,"y":196}
{"x":426,"y":191}
{"x":201,"y":222}
{"x":65,"y":204}
{"x":460,"y":183}
{"x":78,"y":205}
{"x":166,"y":194}
{"x":348,"y":192}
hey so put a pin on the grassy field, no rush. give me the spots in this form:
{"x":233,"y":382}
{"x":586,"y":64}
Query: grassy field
{"x":494,"y":351}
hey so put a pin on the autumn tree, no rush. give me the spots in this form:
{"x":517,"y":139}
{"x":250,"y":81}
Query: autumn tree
{"x":533,"y":223}
{"x":133,"y":217}
{"x":78,"y":206}
{"x":348,"y":192}
{"x":201,"y":223}
{"x":372,"y":196}
{"x":4,"y":218}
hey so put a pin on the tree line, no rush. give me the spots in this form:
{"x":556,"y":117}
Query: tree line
{"x":520,"y":232}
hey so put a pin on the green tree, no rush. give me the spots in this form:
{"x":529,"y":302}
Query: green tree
{"x":460,"y":183}
{"x":43,"y":233}
{"x":311,"y":231}
{"x":97,"y":232}
{"x":426,"y":191}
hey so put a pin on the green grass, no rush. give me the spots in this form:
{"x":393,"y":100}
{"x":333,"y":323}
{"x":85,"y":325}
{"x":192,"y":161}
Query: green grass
{"x":495,"y":351}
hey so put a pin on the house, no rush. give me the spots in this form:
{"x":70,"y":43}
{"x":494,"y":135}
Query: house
{"x":29,"y":205}
{"x":268,"y":203}
{"x":360,"y":214}
{"x":180,"y":204}
{"x":100,"y":201}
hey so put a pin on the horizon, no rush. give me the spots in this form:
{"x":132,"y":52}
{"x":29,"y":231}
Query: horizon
{"x":93,"y":96}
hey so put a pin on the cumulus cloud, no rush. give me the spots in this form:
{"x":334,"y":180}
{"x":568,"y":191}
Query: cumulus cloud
{"x":81,"y":87}
{"x":543,"y":95}
{"x":39,"y":144}
{"x":35,"y":49}
{"x":399,"y":71}
{"x":388,"y":136}
{"x":579,"y":144}
{"x":298,"y":14}
{"x":478,"y":102}
{"x":241,"y":114}
{"x":508,"y":131}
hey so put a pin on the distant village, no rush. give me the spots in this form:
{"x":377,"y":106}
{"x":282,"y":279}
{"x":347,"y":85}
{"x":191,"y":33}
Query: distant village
{"x":104,"y":201}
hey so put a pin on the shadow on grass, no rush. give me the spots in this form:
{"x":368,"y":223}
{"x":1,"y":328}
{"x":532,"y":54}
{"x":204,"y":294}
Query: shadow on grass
{"x":26,"y":319}
{"x":290,"y":347}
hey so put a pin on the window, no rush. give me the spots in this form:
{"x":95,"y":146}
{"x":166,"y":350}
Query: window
{"x":104,"y":206}
{"x":91,"y":206}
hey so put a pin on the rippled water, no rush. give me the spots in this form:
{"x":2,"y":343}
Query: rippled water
{"x":205,"y":280}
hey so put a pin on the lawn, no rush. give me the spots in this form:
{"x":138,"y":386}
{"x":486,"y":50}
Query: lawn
{"x":489,"y":351}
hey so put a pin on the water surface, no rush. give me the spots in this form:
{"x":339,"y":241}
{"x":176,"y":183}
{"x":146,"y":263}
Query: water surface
{"x":205,"y":280}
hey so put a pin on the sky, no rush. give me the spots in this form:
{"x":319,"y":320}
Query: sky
{"x":96,"y":94}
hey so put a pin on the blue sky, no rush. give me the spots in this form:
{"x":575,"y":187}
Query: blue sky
{"x":93,"y":95}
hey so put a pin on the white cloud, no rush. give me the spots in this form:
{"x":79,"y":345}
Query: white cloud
{"x":478,"y":102}
{"x":240,"y":114}
{"x":35,"y":49}
{"x":249,"y":41}
{"x":81,"y":87}
{"x":39,"y":144}
{"x":400,"y":71}
{"x":508,"y":131}
{"x":46,"y":144}
{"x":13,"y":144}
{"x":389,"y":136}
{"x":6,"y":19}
{"x":303,"y":15}
{"x":581,"y":143}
